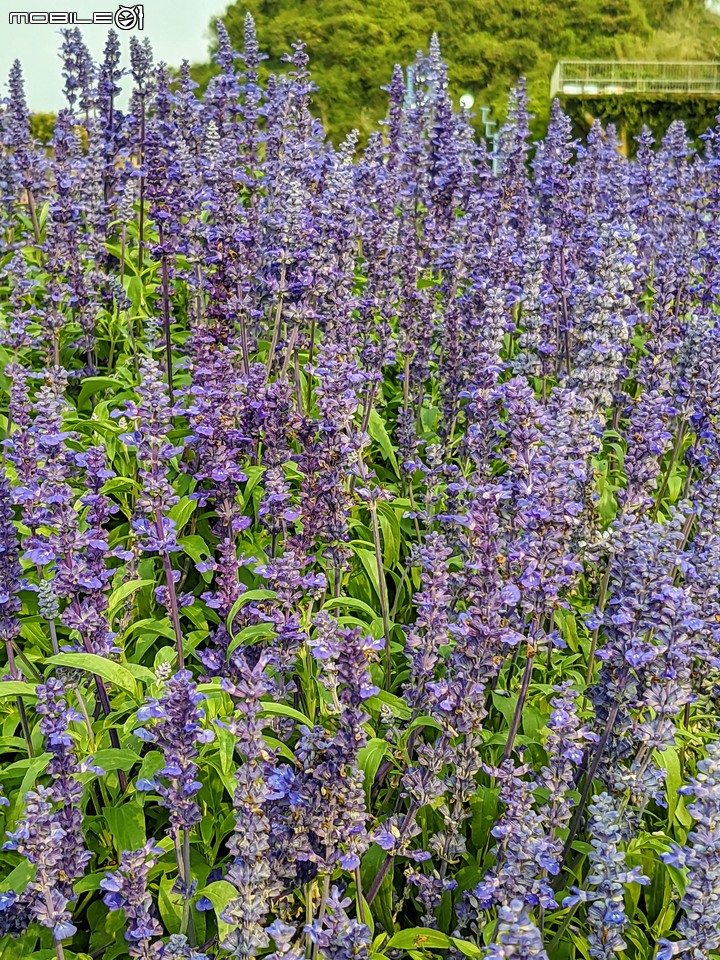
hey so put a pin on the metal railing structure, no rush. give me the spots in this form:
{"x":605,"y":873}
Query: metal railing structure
{"x":606,"y":78}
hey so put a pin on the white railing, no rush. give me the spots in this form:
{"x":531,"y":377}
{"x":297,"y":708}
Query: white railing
{"x":603,"y":78}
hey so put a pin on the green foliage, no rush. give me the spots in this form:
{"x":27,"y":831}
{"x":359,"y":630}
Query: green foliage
{"x":41,"y":126}
{"x":630,"y":114}
{"x":353,"y":45}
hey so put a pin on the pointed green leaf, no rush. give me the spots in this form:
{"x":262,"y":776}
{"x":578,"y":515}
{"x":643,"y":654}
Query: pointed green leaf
{"x":101,"y":667}
{"x":127,"y":825}
{"x":378,"y":431}
{"x":220,"y":894}
{"x":17,"y":688}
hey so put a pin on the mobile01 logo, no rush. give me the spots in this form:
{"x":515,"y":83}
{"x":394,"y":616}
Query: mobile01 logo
{"x":124,"y":18}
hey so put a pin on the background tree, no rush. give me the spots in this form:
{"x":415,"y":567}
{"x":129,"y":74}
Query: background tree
{"x":353,"y":44}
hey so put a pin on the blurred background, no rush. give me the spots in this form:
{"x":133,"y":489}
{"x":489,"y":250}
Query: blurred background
{"x":353,"y":45}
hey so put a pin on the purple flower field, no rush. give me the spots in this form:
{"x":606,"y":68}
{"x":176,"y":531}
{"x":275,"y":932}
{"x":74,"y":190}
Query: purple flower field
{"x":359,"y":527}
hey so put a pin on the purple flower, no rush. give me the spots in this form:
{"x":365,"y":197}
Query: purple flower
{"x":178,"y":948}
{"x":177,"y":731}
{"x":11,"y":579}
{"x":126,"y":890}
{"x":64,"y":769}
{"x":40,"y":838}
{"x":431,"y":628}
{"x":699,"y":925}
{"x":525,"y":853}
{"x":27,"y":164}
{"x":336,"y":935}
{"x":517,"y":936}
{"x":566,"y":747}
{"x":254,"y":872}
{"x":608,"y":876}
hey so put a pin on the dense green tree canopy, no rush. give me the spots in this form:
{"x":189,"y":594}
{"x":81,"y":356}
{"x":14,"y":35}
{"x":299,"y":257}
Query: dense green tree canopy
{"x":353,"y":44}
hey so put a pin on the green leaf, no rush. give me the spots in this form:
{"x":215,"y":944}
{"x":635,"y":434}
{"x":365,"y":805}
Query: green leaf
{"x":113,"y":759}
{"x":352,"y":604}
{"x":422,"y":938}
{"x":580,"y":943}
{"x":93,"y":385}
{"x":91,"y":881}
{"x":674,"y":487}
{"x":390,"y":527}
{"x":171,"y":905}
{"x":504,"y":705}
{"x":127,"y":825}
{"x":35,"y":768}
{"x":533,"y":720}
{"x":369,"y":562}
{"x":464,"y":946}
{"x":429,"y":416}
{"x":100,"y":666}
{"x":378,"y":431}
{"x":678,"y":879}
{"x":16,"y":688}
{"x":122,"y":484}
{"x":182,"y":511}
{"x":606,"y":504}
{"x":195,"y":547}
{"x":220,"y":893}
{"x":254,"y":474}
{"x":225,"y":741}
{"x":681,"y":812}
{"x":141,"y":673}
{"x":252,"y":632}
{"x":151,"y":763}
{"x":269,"y":708}
{"x":657,"y":894}
{"x":398,"y":706}
{"x":369,"y":759}
{"x":117,"y":597}
{"x":669,"y":759}
{"x":247,"y":597}
{"x":20,"y":877}
{"x":484,"y":811}
{"x":212,"y":690}
{"x":382,"y":904}
{"x":282,"y":748}
{"x":135,"y":292}
{"x":20,"y":947}
{"x":568,"y":628}
{"x":423,"y":722}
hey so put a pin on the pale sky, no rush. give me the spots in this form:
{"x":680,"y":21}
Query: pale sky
{"x":178,"y":30}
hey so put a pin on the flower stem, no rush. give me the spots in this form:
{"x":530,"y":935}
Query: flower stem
{"x":382,"y":588}
{"x":53,"y":638}
{"x":359,"y":896}
{"x":172,"y":595}
{"x":596,"y":632}
{"x":321,"y":912}
{"x":277,"y":322}
{"x":590,"y":776}
{"x":389,"y":860}
{"x":183,"y":862}
{"x":673,"y":457}
{"x":515,"y":725}
{"x":16,"y":675}
{"x":165,"y":282}
{"x":141,"y":157}
{"x":33,"y":215}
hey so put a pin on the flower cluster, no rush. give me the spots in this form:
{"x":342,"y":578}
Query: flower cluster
{"x":360,"y":515}
{"x":177,"y":730}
